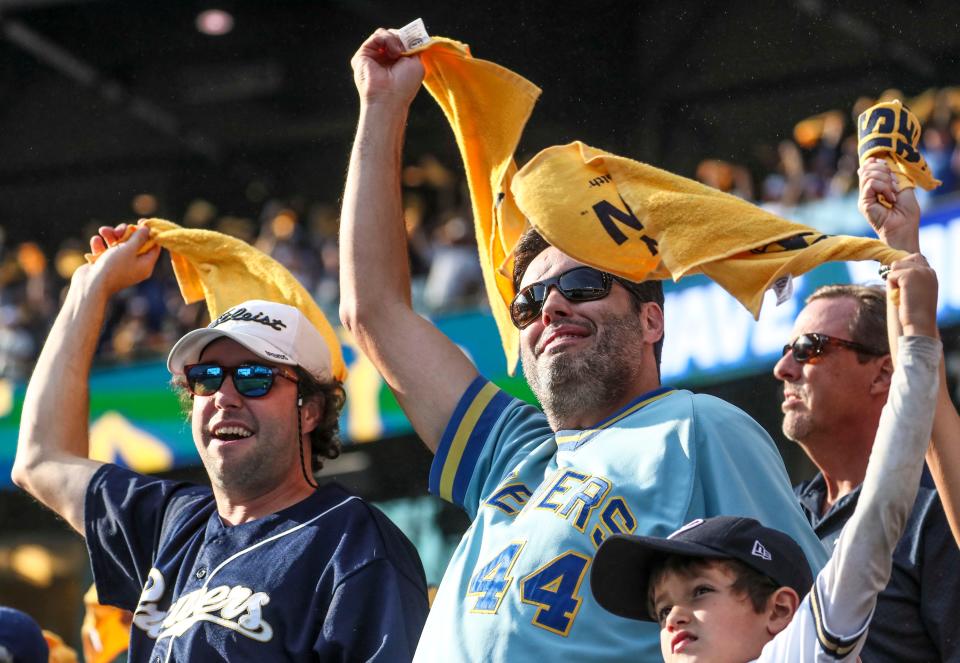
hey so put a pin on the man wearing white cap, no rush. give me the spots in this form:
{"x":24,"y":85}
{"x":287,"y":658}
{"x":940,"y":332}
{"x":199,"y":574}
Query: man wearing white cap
{"x":267,"y":565}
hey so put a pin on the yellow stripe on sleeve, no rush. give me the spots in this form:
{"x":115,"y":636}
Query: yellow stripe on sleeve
{"x":459,"y":443}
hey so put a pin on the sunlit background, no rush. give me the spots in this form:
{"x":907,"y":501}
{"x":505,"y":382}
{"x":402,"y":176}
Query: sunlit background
{"x":238,"y":117}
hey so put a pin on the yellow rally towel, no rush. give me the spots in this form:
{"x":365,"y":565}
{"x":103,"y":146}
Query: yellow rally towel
{"x":226,"y":271}
{"x":487,"y":106}
{"x":641,"y":222}
{"x":891,"y":131}
{"x":613,"y":213}
{"x":105,"y":630}
{"x":59,"y":651}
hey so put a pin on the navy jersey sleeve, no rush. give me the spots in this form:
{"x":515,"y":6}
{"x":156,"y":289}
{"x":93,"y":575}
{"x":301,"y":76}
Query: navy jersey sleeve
{"x":375,"y":614}
{"x":916,"y":617}
{"x":125,"y":515}
{"x":939,"y":583}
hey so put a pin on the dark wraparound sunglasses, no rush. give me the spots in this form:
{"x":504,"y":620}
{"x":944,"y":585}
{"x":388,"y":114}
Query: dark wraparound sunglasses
{"x":250,"y":380}
{"x":809,"y":347}
{"x":580,"y":284}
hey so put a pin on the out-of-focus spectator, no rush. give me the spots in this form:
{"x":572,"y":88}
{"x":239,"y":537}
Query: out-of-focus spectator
{"x":455,"y":276}
{"x":282,"y":238}
{"x":940,"y":146}
{"x":21,"y":640}
{"x":727,"y":177}
{"x":17,"y":345}
{"x":327,"y":290}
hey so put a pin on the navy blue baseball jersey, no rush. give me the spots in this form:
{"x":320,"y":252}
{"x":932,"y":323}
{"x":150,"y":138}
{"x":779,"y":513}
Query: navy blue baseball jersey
{"x":329,"y":578}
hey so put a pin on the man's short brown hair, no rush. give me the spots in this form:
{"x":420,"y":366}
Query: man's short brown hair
{"x":868,"y":326}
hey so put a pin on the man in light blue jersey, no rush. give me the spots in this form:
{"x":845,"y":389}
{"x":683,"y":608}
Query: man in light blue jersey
{"x":612,"y":452}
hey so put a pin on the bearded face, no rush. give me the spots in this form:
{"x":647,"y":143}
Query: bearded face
{"x":586,"y":374}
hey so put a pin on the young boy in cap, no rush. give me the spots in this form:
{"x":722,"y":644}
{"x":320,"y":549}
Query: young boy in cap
{"x":729,"y":589}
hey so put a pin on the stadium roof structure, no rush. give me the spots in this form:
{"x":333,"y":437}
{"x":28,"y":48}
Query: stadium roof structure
{"x":103,"y":99}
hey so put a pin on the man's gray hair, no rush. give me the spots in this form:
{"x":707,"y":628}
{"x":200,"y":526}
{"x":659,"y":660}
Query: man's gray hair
{"x":868,"y":325}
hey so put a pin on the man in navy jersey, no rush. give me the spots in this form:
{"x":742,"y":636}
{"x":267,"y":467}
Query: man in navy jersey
{"x":264,"y":564}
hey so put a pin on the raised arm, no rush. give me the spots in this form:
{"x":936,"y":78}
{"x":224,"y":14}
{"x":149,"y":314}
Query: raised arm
{"x":861,"y":563}
{"x":899,"y":227}
{"x":51,"y":462}
{"x":426,"y":371}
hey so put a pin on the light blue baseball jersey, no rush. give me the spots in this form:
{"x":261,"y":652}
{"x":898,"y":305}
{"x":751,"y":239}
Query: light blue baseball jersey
{"x":517,"y":588}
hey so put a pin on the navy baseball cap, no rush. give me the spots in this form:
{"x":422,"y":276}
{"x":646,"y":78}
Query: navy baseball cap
{"x":21,"y":640}
{"x":620,"y":576}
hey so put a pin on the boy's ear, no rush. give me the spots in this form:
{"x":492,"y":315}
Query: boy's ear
{"x":781,"y":606}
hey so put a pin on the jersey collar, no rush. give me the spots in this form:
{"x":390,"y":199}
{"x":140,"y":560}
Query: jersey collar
{"x":568,"y":440}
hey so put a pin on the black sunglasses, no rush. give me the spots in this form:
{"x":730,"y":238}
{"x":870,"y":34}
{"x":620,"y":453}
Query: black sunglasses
{"x":250,"y":380}
{"x":809,"y":347}
{"x":580,"y":284}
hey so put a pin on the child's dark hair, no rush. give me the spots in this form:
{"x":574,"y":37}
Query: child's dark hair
{"x":747,"y":581}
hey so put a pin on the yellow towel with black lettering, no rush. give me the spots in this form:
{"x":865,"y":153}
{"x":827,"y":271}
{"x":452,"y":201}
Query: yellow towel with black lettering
{"x":226,"y":271}
{"x":891,"y":131}
{"x":487,"y":107}
{"x":616,"y":214}
{"x":641,"y":222}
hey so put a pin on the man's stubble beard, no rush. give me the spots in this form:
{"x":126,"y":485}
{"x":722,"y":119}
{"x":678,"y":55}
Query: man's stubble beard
{"x":570,"y":384}
{"x":797,"y":426}
{"x":255,"y":473}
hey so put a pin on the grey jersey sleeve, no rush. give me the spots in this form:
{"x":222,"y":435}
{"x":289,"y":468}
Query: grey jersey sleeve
{"x":832,"y":620}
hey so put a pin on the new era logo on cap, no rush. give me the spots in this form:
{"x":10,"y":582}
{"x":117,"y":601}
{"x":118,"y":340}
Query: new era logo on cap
{"x":761,"y":552}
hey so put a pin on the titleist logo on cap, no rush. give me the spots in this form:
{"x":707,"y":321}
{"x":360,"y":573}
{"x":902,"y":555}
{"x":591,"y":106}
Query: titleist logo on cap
{"x":244,"y":315}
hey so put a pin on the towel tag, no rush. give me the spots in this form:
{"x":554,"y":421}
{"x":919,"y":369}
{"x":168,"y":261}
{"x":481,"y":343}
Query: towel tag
{"x":413,"y":35}
{"x":783,"y":288}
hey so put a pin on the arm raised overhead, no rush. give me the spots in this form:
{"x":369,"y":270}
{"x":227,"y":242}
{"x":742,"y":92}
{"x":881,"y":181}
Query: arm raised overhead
{"x":426,"y":370}
{"x":51,"y":462}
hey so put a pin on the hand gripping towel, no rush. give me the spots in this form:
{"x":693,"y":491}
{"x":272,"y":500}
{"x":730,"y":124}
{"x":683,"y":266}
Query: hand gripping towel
{"x":487,"y":107}
{"x":613,"y":213}
{"x":226,"y":271}
{"x":891,"y":131}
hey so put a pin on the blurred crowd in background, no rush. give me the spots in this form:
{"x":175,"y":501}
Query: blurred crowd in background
{"x":819,"y":162}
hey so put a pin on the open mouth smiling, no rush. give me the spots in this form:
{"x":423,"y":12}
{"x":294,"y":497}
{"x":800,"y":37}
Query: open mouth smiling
{"x":231,"y":433}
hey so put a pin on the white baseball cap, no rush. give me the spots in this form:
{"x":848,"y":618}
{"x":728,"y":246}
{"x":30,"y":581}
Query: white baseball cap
{"x":278,"y":333}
